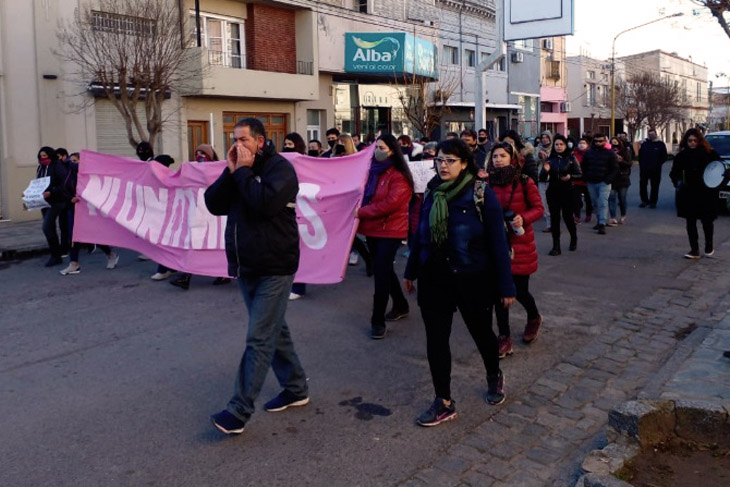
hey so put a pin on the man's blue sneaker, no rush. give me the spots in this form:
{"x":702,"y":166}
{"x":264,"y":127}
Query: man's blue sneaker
{"x":228,"y":423}
{"x":284,"y":400}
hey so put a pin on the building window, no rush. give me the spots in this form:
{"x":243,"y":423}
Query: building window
{"x":451,"y":55}
{"x":224,"y":39}
{"x":699,"y":91}
{"x":364,"y":6}
{"x":313,"y":125}
{"x":471,"y":57}
{"x":591,"y":75}
{"x":591,"y":95}
{"x":122,"y":24}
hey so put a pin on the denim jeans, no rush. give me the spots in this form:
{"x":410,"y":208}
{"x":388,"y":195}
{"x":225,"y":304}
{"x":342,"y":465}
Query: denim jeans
{"x":542,"y":186}
{"x":268,"y":344}
{"x":599,"y":194}
{"x":617,"y":196}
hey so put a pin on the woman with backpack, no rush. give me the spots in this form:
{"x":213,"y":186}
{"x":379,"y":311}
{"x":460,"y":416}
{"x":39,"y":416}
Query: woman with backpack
{"x":522,"y":206}
{"x":460,"y":257}
{"x":560,"y":170}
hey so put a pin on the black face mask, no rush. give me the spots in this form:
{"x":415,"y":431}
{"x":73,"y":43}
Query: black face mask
{"x":482,"y":139}
{"x":313,"y":152}
{"x":288,"y":149}
{"x":331,"y":143}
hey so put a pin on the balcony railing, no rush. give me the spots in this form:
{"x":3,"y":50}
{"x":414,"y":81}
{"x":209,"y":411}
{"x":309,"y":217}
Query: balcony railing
{"x":226,"y":59}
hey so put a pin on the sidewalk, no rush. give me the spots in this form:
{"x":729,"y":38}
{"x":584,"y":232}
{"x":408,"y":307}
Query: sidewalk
{"x":23,"y":239}
{"x":669,"y":346}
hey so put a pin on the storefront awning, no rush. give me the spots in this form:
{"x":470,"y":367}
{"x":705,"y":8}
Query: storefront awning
{"x":390,"y":55}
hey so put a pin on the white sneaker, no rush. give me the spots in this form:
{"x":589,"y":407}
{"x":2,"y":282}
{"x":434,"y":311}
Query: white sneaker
{"x":161,"y":276}
{"x":612,"y":222}
{"x":112,"y":261}
{"x":142,"y":257}
{"x":353,"y":258}
{"x":622,"y":220}
{"x":73,"y":268}
{"x":294,"y":296}
{"x":710,"y":254}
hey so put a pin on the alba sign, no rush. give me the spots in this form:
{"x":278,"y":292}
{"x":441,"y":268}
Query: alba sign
{"x":389,"y":53}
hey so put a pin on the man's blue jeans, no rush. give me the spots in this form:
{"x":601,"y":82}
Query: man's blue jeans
{"x":268,"y":344}
{"x":599,"y":195}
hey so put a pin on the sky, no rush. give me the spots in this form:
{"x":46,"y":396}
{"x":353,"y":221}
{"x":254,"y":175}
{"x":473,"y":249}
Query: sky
{"x":697,"y":33}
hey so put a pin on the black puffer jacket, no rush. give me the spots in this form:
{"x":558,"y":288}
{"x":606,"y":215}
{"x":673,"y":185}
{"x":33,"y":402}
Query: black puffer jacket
{"x":623,"y":178}
{"x":600,"y":165}
{"x":261,"y":234}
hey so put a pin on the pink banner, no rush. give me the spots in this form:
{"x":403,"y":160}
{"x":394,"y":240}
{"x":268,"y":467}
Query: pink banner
{"x":161,"y":213}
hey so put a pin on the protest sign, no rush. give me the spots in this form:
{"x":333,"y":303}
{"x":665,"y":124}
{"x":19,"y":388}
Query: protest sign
{"x":33,"y":195}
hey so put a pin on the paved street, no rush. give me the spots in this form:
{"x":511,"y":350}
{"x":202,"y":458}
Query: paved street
{"x":108,"y":378}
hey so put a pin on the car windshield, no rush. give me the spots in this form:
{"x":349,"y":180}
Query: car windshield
{"x":721,"y":144}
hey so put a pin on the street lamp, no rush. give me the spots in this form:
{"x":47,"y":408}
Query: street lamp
{"x":613,"y":66}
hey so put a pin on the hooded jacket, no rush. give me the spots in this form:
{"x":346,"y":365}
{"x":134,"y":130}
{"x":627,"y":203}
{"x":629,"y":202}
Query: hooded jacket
{"x":528,"y":162}
{"x":262,"y":237}
{"x":527,"y":203}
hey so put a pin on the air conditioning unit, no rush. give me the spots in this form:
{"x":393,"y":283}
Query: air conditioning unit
{"x":518,"y":57}
{"x":429,"y":23}
{"x":565,"y":107}
{"x":547,"y":44}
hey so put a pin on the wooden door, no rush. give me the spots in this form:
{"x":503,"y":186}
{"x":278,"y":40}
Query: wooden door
{"x":197,"y":134}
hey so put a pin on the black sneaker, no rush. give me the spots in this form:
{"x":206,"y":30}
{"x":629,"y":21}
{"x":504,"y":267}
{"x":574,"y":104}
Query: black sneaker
{"x":53,"y":261}
{"x":227,"y":423}
{"x":597,"y":226}
{"x":726,"y":354}
{"x":601,"y":229}
{"x":437,"y":413}
{"x":495,"y":389}
{"x":652,"y":206}
{"x":377,"y":332}
{"x":692,"y":254}
{"x":183,"y":282}
{"x":284,"y":400}
{"x":643,"y":205}
{"x":395,"y":315}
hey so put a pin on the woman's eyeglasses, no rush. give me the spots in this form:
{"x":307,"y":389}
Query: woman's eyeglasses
{"x":449,"y":161}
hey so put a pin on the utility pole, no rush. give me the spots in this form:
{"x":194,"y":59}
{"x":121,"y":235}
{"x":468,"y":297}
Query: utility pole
{"x":499,"y":52}
{"x":612,"y":129}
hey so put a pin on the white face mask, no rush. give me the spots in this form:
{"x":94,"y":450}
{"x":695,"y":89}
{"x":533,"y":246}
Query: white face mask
{"x":582,"y":146}
{"x":570,"y":145}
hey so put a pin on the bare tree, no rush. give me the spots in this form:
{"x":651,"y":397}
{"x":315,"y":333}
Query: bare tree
{"x":424,"y":102}
{"x":644,"y":98}
{"x":718,"y":9}
{"x":133,"y":51}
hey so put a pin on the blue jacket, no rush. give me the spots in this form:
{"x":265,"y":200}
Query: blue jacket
{"x":473,"y":246}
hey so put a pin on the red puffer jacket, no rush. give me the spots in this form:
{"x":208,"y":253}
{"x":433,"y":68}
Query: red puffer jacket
{"x":386,"y":215}
{"x":524,"y":262}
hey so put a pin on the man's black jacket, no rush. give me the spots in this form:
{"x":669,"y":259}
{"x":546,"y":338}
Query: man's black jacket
{"x":261,"y":233}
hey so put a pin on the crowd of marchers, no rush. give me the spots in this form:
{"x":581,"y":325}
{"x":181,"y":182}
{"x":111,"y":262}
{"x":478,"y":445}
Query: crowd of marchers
{"x":469,"y":236}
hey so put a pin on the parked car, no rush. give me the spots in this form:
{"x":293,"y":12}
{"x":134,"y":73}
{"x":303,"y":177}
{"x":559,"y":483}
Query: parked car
{"x":720,"y":141}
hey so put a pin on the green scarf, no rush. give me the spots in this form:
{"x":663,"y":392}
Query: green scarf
{"x":439,"y":217}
